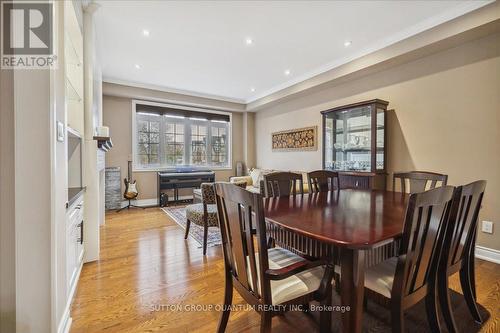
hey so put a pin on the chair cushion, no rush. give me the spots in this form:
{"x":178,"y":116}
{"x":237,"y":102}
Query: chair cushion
{"x":255,"y":175}
{"x":246,"y":179}
{"x":294,"y":286}
{"x":253,"y":189}
{"x":194,"y":213}
{"x":380,"y":277}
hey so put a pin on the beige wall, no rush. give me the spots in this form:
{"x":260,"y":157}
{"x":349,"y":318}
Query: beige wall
{"x":446,"y":119}
{"x":117,"y":116}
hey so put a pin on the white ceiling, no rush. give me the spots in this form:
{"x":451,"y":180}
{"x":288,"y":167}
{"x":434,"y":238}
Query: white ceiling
{"x":200,"y":47}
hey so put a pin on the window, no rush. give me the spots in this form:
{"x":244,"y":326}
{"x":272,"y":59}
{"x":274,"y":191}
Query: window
{"x":149,"y":141}
{"x":199,"y":145}
{"x":219,"y":145}
{"x":167,"y":137}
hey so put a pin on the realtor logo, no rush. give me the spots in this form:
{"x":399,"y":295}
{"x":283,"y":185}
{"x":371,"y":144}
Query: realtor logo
{"x":27,"y":34}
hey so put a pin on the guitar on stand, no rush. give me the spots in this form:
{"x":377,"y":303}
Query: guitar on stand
{"x":130,"y":192}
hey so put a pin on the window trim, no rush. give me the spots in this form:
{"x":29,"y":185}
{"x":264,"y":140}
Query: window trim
{"x":139,"y":168}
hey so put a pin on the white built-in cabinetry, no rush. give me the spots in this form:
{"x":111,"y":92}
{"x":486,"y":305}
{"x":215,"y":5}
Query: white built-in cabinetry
{"x":75,"y":134}
{"x":73,"y":66}
{"x":74,"y":243}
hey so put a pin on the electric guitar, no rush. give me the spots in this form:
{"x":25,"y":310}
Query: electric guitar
{"x":130,"y":185}
{"x":130,"y":189}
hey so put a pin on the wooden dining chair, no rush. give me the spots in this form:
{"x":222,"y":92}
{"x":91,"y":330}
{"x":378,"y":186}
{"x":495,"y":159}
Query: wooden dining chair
{"x":204,"y":214}
{"x":279,"y":184}
{"x":264,"y":277}
{"x":419,"y":181}
{"x":458,"y":252}
{"x":322,"y":181}
{"x":411,"y":276}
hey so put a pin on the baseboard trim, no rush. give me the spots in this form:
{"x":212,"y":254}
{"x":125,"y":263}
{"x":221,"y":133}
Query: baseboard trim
{"x":65,"y":323}
{"x":488,"y":254}
{"x":151,"y":202}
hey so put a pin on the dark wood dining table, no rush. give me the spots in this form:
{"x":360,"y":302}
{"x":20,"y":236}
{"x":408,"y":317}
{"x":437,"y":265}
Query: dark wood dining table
{"x":354,"y":221}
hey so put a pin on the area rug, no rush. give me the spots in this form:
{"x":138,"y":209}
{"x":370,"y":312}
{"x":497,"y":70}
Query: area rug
{"x":178,"y":214}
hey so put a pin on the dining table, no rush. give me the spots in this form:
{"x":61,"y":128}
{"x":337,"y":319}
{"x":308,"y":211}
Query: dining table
{"x":353,"y":221}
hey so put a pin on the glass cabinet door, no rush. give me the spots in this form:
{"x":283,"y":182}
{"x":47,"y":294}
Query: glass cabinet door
{"x":348,"y":139}
{"x":380,"y":139}
{"x":354,"y":137}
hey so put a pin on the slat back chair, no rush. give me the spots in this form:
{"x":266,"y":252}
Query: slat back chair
{"x":279,"y":184}
{"x":419,"y":181}
{"x":322,"y":181}
{"x":458,"y":252}
{"x":241,"y":218}
{"x":413,"y":273}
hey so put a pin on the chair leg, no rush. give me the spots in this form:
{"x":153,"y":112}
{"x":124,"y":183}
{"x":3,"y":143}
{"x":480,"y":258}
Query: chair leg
{"x":432,"y":311}
{"x":205,"y":236}
{"x":325,"y":316}
{"x":336,"y":278}
{"x":228,"y":300}
{"x":468,"y":290}
{"x":445,"y":302}
{"x":265,"y":321}
{"x":397,"y":315}
{"x":188,"y":224}
{"x":270,"y":242}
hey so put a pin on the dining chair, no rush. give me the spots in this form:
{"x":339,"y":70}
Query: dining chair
{"x":323,"y":181}
{"x":205,"y":213}
{"x":458,"y":252}
{"x":418,"y":180}
{"x":411,"y":276}
{"x":279,"y":184}
{"x":264,"y":277}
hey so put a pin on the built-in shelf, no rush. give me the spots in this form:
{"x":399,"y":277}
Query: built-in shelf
{"x":72,"y":57}
{"x":104,"y":142}
{"x":71,"y":92}
{"x":73,"y":194}
{"x":73,"y":132}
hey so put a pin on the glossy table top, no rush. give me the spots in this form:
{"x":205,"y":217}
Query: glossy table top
{"x":347,"y":218}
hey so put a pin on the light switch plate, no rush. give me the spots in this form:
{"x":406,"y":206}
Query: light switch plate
{"x":487,"y":227}
{"x":60,"y":131}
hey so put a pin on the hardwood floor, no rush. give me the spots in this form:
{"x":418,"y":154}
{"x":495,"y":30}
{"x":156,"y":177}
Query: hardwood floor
{"x":146,"y":266}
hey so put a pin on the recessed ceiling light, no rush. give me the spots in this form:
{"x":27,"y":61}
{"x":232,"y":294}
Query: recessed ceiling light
{"x":252,"y":89}
{"x":287,"y":72}
{"x":249,"y":41}
{"x":137,"y":66}
{"x":145,"y":32}
{"x":347,"y":43}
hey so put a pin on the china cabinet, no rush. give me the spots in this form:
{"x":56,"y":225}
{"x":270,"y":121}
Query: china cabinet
{"x":354,"y":138}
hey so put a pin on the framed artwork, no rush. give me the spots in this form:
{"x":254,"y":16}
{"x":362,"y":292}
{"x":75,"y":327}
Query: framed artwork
{"x":299,"y":139}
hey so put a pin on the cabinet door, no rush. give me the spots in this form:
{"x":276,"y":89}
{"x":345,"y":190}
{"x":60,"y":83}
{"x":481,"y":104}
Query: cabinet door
{"x":79,"y":243}
{"x":70,"y":253}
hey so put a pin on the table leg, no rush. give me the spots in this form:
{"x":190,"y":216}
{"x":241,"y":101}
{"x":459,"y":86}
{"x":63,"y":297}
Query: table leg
{"x":352,"y":287}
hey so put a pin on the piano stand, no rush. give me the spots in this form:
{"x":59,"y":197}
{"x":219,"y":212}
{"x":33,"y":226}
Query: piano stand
{"x":182,"y":178}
